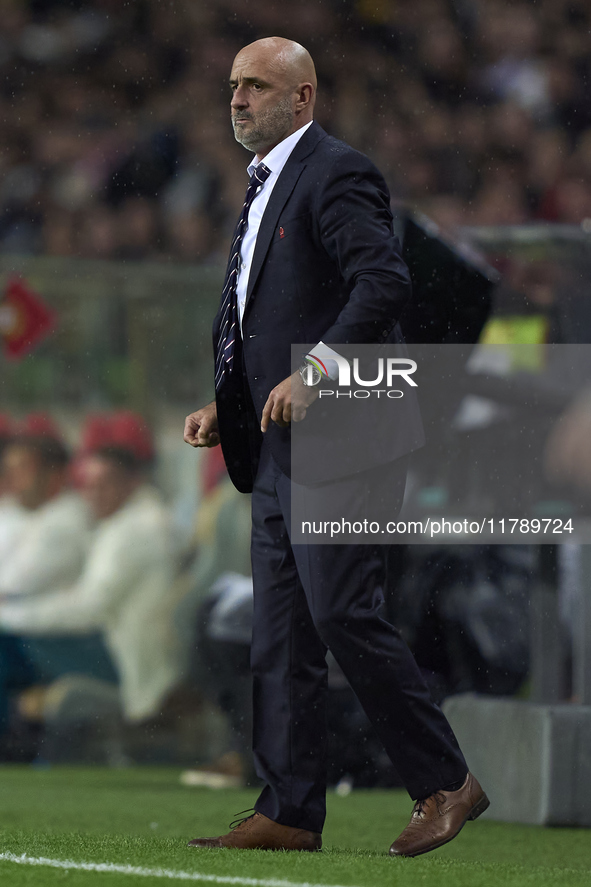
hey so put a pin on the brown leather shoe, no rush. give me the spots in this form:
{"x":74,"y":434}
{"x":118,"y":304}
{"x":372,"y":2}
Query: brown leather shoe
{"x":439,"y":818}
{"x":257,"y":832}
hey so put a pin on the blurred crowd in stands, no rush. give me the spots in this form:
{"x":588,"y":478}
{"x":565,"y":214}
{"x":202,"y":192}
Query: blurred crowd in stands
{"x":117,"y":622}
{"x":101,"y":585}
{"x":86,"y":563}
{"x":116,"y":135}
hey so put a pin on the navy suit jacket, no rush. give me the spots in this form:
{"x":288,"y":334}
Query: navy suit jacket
{"x":326,"y":266}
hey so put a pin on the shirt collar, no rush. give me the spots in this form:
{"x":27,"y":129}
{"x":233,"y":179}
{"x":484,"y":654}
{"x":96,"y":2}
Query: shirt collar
{"x":276,"y":159}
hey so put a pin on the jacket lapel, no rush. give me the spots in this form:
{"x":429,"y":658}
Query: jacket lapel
{"x":283,"y":188}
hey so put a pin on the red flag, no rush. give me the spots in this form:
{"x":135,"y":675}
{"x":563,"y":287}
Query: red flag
{"x":25,"y":320}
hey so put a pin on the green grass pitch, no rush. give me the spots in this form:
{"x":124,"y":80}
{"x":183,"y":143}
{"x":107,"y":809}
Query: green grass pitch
{"x":141,"y":818}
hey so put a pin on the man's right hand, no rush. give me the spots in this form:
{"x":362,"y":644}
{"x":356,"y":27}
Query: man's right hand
{"x":201,"y":428}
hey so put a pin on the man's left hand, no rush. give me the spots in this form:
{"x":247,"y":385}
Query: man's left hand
{"x":288,"y":402}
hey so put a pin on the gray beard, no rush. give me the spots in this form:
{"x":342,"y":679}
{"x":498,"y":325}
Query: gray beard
{"x":269,"y":127}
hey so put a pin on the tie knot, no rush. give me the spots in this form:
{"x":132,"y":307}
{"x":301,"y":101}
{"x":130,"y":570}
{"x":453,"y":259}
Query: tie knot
{"x":260,"y":174}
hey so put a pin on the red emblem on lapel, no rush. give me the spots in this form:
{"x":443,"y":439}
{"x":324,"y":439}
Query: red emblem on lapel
{"x":281,"y":232}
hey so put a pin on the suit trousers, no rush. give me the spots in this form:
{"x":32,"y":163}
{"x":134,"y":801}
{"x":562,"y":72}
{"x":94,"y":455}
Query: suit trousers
{"x":310,"y":598}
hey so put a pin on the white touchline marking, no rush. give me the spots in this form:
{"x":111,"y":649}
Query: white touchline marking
{"x":152,"y":873}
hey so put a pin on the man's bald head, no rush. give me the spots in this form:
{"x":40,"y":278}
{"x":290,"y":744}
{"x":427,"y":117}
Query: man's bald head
{"x":287,"y":56}
{"x":273,"y":81}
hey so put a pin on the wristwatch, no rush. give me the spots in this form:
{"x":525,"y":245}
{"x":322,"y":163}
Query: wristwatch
{"x":310,"y":374}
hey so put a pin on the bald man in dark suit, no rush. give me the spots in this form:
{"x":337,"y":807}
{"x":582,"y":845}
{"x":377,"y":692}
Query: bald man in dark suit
{"x":314,"y":259}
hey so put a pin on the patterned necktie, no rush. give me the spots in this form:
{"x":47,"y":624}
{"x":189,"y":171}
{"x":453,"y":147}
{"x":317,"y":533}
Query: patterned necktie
{"x":229,"y":326}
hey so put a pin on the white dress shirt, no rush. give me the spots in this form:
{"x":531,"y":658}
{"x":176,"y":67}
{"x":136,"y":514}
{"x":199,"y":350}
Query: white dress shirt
{"x":275,"y":160}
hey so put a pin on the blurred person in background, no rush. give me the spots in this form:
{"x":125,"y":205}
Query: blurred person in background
{"x":221,"y":666}
{"x":219,"y":581}
{"x":50,"y":546}
{"x":12,"y":514}
{"x":44,"y":534}
{"x":115,"y":622}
